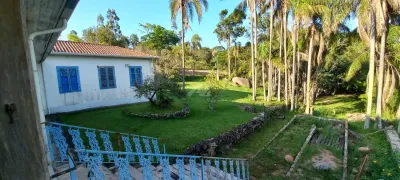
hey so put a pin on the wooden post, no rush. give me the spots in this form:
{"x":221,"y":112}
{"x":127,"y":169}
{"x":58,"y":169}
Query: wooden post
{"x":312,"y":131}
{"x":22,"y":150}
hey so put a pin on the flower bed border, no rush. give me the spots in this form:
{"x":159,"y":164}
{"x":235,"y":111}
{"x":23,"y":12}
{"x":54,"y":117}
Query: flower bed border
{"x":174,"y":115}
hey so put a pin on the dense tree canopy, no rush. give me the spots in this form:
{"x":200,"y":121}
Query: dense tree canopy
{"x":157,"y":37}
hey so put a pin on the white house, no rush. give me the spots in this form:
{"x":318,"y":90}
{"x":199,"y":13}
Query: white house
{"x":78,"y":76}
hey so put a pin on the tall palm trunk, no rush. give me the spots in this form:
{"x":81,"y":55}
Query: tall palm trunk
{"x":280,"y":56}
{"x":294,"y":43}
{"x":255,"y":53}
{"x":229,"y":57}
{"x":236,"y":56}
{"x":309,"y":67}
{"x":285,"y":52}
{"x":381,"y":71}
{"x":183,"y":45}
{"x":252,"y":57}
{"x":398,"y":119}
{"x":371,"y":73}
{"x":217,"y":70}
{"x":271,"y":35}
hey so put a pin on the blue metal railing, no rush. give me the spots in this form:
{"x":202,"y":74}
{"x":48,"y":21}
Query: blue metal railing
{"x":184,"y":166}
{"x":76,"y":137}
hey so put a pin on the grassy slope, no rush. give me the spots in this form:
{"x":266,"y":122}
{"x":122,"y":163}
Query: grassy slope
{"x":202,"y":124}
{"x":177,"y":134}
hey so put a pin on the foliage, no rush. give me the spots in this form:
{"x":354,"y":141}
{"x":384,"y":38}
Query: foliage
{"x":213,"y":90}
{"x":109,"y":33}
{"x":73,"y":36}
{"x":189,"y":6}
{"x":134,"y":40}
{"x":160,"y":90}
{"x":157,"y":37}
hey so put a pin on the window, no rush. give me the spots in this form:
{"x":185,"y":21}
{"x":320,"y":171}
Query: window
{"x":107,"y":77}
{"x":68,"y":79}
{"x":136,"y":77}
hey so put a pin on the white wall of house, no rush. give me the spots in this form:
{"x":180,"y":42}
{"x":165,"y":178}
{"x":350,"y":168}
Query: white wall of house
{"x":90,"y":96}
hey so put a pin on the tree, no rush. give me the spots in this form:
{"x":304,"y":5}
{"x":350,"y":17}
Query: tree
{"x":109,"y":33}
{"x":159,"y":89}
{"x":229,"y":29}
{"x":252,"y":5}
{"x":195,"y":46}
{"x":271,"y":35}
{"x":73,"y":36}
{"x":134,"y":40}
{"x":185,"y":8}
{"x":158,"y":38}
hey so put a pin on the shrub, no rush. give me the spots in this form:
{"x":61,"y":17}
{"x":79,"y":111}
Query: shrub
{"x":213,"y":90}
{"x":160,"y":90}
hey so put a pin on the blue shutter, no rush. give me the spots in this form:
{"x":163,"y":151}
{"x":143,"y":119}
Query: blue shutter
{"x":111,"y":77}
{"x":136,"y":77}
{"x":107,"y":77}
{"x":68,"y":79}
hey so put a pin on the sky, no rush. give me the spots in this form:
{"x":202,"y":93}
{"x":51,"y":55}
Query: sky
{"x":135,"y":12}
{"x":132,"y":13}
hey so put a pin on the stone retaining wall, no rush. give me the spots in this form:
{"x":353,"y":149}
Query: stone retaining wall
{"x":178,"y":114}
{"x":212,"y":145}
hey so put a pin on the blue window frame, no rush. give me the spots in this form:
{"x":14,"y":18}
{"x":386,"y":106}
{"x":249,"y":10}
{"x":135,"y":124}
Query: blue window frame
{"x":107,"y":77}
{"x":135,"y":75}
{"x":68,"y":79}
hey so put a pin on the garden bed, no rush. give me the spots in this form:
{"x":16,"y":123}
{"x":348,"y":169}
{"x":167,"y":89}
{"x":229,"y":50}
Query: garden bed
{"x":173,"y":115}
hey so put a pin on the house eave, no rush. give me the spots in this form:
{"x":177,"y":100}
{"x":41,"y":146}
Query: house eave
{"x":103,"y":55}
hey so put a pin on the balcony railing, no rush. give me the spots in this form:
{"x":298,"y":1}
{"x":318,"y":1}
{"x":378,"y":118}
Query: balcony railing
{"x":61,"y":137}
{"x":167,"y":166}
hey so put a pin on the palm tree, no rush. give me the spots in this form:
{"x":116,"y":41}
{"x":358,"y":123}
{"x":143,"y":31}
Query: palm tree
{"x":185,"y":8}
{"x":271,"y":35}
{"x":195,"y":45}
{"x":285,"y":16}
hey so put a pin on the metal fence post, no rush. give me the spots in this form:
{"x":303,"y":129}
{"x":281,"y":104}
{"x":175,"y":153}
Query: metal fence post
{"x":248,"y":170}
{"x":71,"y":165}
{"x":49,"y":144}
{"x":202,"y":169}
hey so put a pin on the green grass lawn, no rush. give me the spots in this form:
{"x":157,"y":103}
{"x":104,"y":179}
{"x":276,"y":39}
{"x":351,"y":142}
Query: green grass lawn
{"x":177,"y":134}
{"x":202,"y":123}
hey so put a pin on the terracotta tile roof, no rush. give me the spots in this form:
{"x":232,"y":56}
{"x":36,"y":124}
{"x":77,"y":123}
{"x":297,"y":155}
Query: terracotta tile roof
{"x":96,"y":49}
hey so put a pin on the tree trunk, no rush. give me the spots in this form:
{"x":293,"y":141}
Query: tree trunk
{"x":271,"y":35}
{"x":381,"y":72}
{"x":285,"y":52}
{"x":321,"y":49}
{"x":263,"y":79}
{"x":252,"y":57}
{"x":280,"y":56}
{"x":183,"y":45}
{"x":255,"y":54}
{"x":309,"y":67}
{"x":194,"y":67}
{"x":229,"y":58}
{"x":386,"y":88}
{"x":279,"y":85}
{"x":236,"y":56}
{"x":217,"y":70}
{"x":297,"y":90}
{"x":371,"y":73}
{"x":294,"y":43}
{"x":398,"y":119}
{"x":380,"y":82}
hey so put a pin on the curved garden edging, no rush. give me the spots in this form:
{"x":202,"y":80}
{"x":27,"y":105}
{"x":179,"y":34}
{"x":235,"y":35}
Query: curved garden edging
{"x":174,"y":115}
{"x":210,"y":146}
